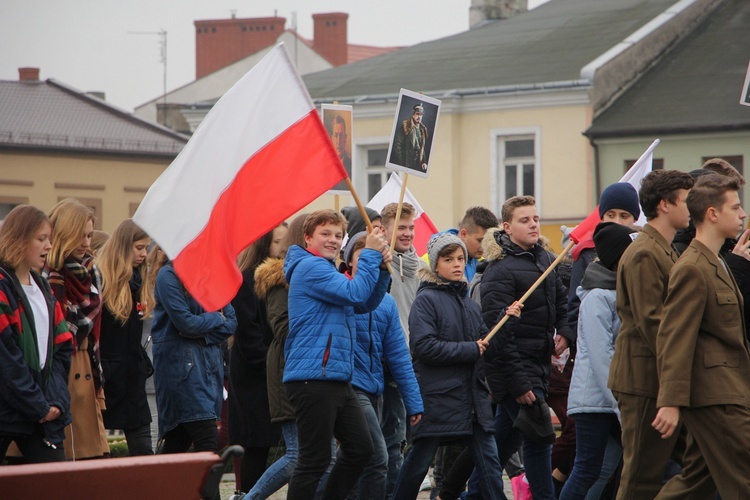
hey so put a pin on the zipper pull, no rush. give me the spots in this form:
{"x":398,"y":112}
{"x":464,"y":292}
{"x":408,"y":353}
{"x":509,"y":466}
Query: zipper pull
{"x":46,"y":441}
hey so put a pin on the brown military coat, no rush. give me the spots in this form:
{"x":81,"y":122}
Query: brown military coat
{"x":702,"y":354}
{"x":642,"y":277}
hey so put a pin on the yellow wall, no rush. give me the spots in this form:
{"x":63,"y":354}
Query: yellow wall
{"x":118,"y":183}
{"x":460,"y":168}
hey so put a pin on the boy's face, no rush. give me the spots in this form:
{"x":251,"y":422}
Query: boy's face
{"x":523,"y":228}
{"x":326,"y":240}
{"x":618,"y":216}
{"x":451,"y":267}
{"x":473,"y":241}
{"x":731,"y":216}
{"x":404,"y":233}
{"x":677,"y":213}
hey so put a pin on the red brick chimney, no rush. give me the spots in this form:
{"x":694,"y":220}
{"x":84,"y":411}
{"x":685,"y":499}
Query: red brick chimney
{"x":28,"y":74}
{"x":221,"y":42}
{"x":330,"y":37}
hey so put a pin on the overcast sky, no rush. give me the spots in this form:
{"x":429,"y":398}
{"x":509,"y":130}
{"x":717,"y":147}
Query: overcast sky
{"x":91,"y":45}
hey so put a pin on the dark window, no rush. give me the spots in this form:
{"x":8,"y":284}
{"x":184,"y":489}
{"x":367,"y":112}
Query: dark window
{"x":244,"y":28}
{"x":519,"y":148}
{"x":657,"y":164}
{"x":273,"y":27}
{"x":376,"y":157}
{"x":213,"y":30}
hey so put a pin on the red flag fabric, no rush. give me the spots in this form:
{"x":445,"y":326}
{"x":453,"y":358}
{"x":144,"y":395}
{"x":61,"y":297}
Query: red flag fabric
{"x":259,"y":156}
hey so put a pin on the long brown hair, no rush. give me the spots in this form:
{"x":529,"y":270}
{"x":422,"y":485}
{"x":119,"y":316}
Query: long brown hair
{"x":115,"y":261}
{"x":69,"y":218}
{"x":256,"y":253}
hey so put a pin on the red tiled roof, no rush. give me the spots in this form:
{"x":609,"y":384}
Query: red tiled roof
{"x":358,"y":52}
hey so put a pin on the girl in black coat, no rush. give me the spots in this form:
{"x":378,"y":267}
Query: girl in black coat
{"x":127,"y":301}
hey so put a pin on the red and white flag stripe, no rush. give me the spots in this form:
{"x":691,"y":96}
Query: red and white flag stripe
{"x":260,"y":155}
{"x":423,"y":226}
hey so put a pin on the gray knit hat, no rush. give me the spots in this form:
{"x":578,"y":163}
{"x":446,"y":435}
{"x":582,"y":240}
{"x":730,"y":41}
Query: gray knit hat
{"x":440,"y":241}
{"x":349,"y":248}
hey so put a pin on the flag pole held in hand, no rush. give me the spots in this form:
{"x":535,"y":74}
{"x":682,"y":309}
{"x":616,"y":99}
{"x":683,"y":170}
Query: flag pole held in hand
{"x":362,"y":211}
{"x":533,"y":287}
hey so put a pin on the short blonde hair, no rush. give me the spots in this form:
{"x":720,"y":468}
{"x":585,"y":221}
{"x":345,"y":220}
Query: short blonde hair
{"x":388,"y":213}
{"x":511,"y":204}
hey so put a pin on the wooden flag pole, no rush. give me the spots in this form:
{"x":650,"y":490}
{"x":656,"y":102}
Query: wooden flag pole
{"x":336,"y":202}
{"x":363,"y":212}
{"x":533,"y":287}
{"x":398,"y":212}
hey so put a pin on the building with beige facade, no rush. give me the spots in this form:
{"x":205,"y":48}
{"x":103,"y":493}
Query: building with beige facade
{"x":57,"y":142}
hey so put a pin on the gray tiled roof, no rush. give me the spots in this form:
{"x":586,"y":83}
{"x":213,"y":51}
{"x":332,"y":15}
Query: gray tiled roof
{"x":694,"y":88}
{"x":50,"y":115}
{"x":551,"y":43}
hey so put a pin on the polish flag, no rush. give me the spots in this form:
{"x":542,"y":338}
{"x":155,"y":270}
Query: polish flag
{"x":260,"y":155}
{"x":423,"y":226}
{"x":585,"y":230}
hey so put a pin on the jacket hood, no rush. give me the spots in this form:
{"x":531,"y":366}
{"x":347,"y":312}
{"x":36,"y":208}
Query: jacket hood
{"x":268,"y":275}
{"x":598,"y":276}
{"x":496,"y":244}
{"x":432,"y":280}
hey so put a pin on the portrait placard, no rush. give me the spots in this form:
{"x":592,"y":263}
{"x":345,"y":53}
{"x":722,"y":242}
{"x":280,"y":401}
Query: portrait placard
{"x":337,"y":120}
{"x":413,"y":133}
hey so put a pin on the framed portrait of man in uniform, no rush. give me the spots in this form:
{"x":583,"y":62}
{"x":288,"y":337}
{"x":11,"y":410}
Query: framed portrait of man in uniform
{"x":413,"y":133}
{"x":337,"y":120}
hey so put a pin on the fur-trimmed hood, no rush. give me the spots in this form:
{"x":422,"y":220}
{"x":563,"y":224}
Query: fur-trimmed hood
{"x":268,"y":275}
{"x":426,"y":275}
{"x":496,"y":243}
{"x":431,"y":280}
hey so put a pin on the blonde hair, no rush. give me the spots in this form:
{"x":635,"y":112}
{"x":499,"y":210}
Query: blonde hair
{"x":115,"y":261}
{"x":69,"y":218}
{"x":17,"y":231}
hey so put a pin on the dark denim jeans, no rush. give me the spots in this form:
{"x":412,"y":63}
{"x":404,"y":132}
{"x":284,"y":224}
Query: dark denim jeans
{"x":393,"y":425}
{"x":372,"y":482}
{"x":324,"y":410}
{"x":418,"y":460}
{"x":593,"y":431}
{"x":537,"y":456}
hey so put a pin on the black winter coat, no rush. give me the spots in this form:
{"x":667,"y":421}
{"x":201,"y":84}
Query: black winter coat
{"x":125,"y":365}
{"x":519,"y":356}
{"x":249,"y":417}
{"x":445,"y":325}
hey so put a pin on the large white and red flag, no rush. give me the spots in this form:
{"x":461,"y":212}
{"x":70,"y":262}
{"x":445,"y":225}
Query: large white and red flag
{"x":423,"y":226}
{"x":633,"y":176}
{"x":260,"y":155}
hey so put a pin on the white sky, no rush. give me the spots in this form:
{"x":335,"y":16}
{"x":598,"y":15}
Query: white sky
{"x":86,"y":43}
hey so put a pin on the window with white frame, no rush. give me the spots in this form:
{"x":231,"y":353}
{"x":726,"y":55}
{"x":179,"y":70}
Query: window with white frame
{"x":375,"y":171}
{"x":516,"y":165}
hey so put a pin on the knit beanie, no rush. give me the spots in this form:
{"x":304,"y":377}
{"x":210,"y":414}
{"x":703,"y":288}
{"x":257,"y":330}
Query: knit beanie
{"x":349,"y":248}
{"x":440,"y":241}
{"x":611,"y":240}
{"x":620,"y":195}
{"x":355,"y":222}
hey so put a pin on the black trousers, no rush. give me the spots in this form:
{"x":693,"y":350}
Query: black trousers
{"x":325,"y":410}
{"x":35,"y":448}
{"x":202,"y":434}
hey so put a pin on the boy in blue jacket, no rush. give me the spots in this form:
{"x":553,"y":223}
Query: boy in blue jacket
{"x":380,"y":341}
{"x":319,"y":352}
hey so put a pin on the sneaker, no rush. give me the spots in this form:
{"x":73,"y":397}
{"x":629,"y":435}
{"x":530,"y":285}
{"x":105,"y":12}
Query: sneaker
{"x":426,"y":484}
{"x":237,"y":496}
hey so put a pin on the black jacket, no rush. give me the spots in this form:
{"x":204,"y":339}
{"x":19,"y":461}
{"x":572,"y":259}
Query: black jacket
{"x":125,"y":365}
{"x":445,"y":325}
{"x":519,"y":356}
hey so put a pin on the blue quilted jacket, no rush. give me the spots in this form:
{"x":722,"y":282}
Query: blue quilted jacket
{"x":380,"y":340}
{"x":322,"y":305}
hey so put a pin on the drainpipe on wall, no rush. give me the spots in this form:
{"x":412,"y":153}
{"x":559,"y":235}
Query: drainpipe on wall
{"x":597,"y":169}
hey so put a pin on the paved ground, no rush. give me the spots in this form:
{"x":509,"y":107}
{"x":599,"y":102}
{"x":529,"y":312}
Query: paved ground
{"x":227,"y":489}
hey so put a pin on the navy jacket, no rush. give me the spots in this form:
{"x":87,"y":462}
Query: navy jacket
{"x":445,"y":325}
